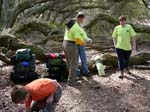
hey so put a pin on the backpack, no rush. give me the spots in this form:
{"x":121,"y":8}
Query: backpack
{"x":56,"y":66}
{"x":23,"y":77}
{"x":23,"y":66}
{"x":23,"y":55}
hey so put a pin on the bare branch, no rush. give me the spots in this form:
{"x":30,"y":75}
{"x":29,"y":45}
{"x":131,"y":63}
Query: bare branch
{"x":31,"y":26}
{"x":138,"y":28}
{"x":146,"y":3}
{"x":25,"y":4}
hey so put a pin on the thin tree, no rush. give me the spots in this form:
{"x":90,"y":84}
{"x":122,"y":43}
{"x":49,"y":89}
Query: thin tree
{"x":6,"y":12}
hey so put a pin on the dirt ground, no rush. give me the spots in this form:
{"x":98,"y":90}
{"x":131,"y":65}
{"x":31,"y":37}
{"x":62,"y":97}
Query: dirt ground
{"x":94,"y":94}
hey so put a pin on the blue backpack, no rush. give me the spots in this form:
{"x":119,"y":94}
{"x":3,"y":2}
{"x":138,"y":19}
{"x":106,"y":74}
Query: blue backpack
{"x":23,"y":66}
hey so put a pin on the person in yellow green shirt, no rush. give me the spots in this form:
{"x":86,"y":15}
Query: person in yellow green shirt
{"x":125,"y":43}
{"x":72,"y":38}
{"x":81,"y":48}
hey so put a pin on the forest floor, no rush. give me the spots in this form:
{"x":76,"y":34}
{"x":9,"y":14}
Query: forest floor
{"x":94,"y":94}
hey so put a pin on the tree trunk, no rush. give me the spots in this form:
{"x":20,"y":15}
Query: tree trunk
{"x":6,"y":12}
{"x":1,"y":3}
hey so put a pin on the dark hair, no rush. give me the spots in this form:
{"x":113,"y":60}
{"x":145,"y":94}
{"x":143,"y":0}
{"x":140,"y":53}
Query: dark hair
{"x":18,"y":94}
{"x":122,"y":17}
{"x":70,"y":22}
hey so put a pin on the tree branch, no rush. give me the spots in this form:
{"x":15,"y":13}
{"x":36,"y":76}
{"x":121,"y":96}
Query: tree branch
{"x":146,"y":4}
{"x":25,"y":4}
{"x":31,"y":25}
{"x":53,"y":37}
{"x":41,"y":8}
{"x":110,"y":19}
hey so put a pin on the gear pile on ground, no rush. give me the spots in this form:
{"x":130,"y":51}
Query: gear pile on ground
{"x":94,"y":94}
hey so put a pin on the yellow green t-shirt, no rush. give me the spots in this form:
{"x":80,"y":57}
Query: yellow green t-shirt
{"x":75,"y":32}
{"x":123,"y":36}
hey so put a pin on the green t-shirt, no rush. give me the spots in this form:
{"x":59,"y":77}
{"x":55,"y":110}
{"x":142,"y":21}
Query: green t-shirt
{"x":75,"y":32}
{"x":123,"y":36}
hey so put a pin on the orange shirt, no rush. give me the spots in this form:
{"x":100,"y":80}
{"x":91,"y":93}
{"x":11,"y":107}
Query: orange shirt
{"x":40,"y":89}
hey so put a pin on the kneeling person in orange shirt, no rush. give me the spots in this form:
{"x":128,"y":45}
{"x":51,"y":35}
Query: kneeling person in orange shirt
{"x":39,"y":94}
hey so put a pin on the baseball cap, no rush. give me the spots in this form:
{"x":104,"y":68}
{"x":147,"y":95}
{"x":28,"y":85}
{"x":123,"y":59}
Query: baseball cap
{"x":80,"y":15}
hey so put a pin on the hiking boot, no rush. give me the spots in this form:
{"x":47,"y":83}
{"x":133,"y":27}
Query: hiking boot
{"x":87,"y":74}
{"x":121,"y":77}
{"x":74,"y":83}
{"x":78,"y":78}
{"x":127,"y":71}
{"x":121,"y":74}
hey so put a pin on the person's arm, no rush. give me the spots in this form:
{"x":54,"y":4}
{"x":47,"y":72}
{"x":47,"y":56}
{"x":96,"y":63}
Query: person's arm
{"x":78,"y":35}
{"x":85,"y":37}
{"x":79,"y":40}
{"x":50,"y":98}
{"x":28,"y":103}
{"x":89,"y":40}
{"x":114,"y":36}
{"x":114,"y":41}
{"x":133,"y":39}
{"x":27,"y":109}
{"x":133,"y":44}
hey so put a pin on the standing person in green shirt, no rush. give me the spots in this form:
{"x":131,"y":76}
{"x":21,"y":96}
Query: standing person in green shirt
{"x":72,"y":38}
{"x":81,"y":48}
{"x":125,"y":43}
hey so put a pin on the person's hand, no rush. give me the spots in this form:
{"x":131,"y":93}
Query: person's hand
{"x":134,"y":52}
{"x":50,"y":99}
{"x":21,"y":110}
{"x":90,"y":40}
